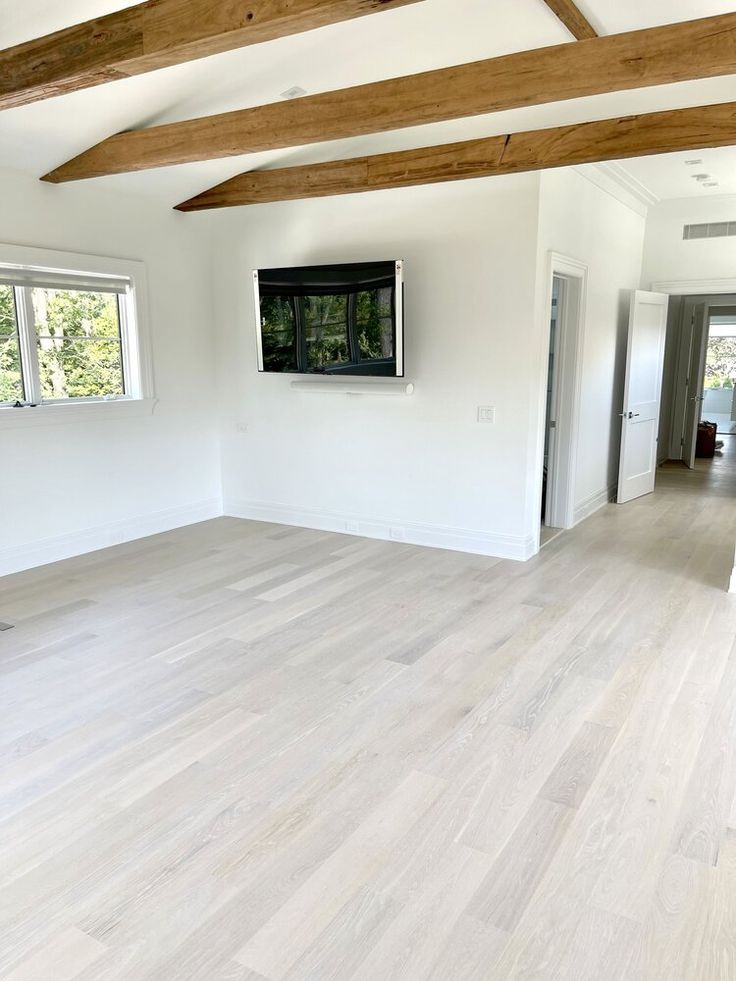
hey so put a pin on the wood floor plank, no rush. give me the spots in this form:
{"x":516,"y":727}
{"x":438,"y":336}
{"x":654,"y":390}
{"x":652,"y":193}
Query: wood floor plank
{"x":63,"y":958}
{"x":671,"y":945}
{"x":705,"y":813}
{"x":413,"y":941}
{"x":284,"y":938}
{"x":515,"y":875}
{"x":152,"y":772}
{"x":571,"y":778}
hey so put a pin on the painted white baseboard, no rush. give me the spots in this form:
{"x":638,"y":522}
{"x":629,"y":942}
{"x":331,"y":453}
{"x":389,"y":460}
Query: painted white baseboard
{"x":16,"y":558}
{"x":413,"y":533}
{"x":592,"y":504}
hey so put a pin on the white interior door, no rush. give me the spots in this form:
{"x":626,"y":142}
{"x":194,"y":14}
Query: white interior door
{"x":696,"y":382}
{"x":642,"y":393}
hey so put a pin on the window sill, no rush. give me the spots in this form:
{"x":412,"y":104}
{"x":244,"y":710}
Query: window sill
{"x":59,"y":413}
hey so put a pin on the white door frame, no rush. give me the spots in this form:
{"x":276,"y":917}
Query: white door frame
{"x":571,"y":330}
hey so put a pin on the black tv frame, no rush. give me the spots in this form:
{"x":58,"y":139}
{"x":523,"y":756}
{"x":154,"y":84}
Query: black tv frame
{"x":321,"y":277}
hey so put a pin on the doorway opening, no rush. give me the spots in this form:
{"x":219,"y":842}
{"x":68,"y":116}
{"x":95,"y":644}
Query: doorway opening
{"x":549,"y":529}
{"x":700,"y":376}
{"x":561,"y":395}
{"x":719,"y":382}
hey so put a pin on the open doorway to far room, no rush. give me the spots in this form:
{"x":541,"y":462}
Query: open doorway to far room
{"x":567,"y":281}
{"x":719,"y":381}
{"x":549,"y":531}
{"x":699,"y":384}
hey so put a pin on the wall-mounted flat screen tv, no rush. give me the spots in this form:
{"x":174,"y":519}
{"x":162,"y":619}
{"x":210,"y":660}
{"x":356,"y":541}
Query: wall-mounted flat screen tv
{"x":331,"y":320}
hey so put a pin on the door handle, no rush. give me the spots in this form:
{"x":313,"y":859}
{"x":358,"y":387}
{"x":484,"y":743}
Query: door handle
{"x":628,"y":415}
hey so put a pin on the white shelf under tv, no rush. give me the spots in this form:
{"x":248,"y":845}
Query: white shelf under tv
{"x":340,"y":386}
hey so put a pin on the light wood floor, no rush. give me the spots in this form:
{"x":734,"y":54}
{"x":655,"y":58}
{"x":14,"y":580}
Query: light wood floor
{"x":245,"y":752}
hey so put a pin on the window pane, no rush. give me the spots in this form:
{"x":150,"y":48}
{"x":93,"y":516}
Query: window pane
{"x":720,"y":366}
{"x":8,"y":324}
{"x":79,"y":345}
{"x":326,"y":331}
{"x":374,"y":318}
{"x":11,"y":377}
{"x":278,"y":333}
{"x":72,"y":368}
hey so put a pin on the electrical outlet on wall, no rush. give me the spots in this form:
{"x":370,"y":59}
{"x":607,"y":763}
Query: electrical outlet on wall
{"x":352,"y":526}
{"x":487,"y":413}
{"x":241,"y":427}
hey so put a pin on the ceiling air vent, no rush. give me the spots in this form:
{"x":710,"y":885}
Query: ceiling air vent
{"x":714,"y":229}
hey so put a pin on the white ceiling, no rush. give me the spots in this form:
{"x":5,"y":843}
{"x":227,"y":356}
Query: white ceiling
{"x":426,"y":35}
{"x":700,"y":173}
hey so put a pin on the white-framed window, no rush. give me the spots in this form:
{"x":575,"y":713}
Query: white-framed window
{"x":73,"y":332}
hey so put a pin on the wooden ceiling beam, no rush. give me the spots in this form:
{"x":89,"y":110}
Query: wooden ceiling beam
{"x":618,"y":62}
{"x":608,"y":139}
{"x":158,"y":34}
{"x":573,"y":19}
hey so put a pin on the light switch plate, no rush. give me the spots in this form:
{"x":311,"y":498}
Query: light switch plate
{"x":487,"y":413}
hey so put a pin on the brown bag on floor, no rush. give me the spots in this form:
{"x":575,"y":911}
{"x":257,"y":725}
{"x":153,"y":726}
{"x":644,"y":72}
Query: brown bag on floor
{"x":706,"y":442}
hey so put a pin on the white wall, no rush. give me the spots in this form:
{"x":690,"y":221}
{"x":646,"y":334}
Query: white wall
{"x":598,"y":225}
{"x":669,"y":257}
{"x":74,"y":487}
{"x":422,"y":466}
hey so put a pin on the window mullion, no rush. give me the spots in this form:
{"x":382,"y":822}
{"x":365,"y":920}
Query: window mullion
{"x":131,"y":384}
{"x":28,"y":344}
{"x":352,"y":324}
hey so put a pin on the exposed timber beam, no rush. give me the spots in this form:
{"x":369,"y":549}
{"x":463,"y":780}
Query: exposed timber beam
{"x":617,"y":62}
{"x":608,"y":139}
{"x":157,"y":34}
{"x":573,"y":19}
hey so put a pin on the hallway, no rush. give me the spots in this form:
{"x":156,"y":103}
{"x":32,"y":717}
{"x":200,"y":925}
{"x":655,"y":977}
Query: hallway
{"x":712,"y":477}
{"x":297,"y":756}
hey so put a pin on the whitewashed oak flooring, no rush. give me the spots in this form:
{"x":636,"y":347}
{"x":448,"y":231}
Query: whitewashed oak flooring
{"x":243,"y":752}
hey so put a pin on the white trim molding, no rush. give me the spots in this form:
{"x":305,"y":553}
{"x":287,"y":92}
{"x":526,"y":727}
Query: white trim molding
{"x":619,"y":173}
{"x":616,"y":181}
{"x":17,"y":558}
{"x":594,"y":502}
{"x":65,"y":413}
{"x":411,"y":533}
